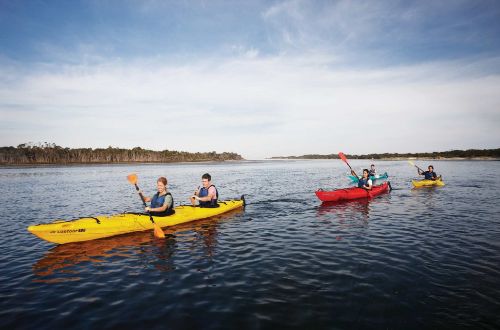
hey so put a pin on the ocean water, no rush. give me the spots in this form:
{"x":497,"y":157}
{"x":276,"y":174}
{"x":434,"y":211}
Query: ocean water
{"x":412,"y":258}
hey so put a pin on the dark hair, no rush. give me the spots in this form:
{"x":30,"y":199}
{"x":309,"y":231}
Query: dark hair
{"x":372,"y":165}
{"x":162,"y":179}
{"x":365,"y":169}
{"x":430,"y":166}
{"x":206,"y":176}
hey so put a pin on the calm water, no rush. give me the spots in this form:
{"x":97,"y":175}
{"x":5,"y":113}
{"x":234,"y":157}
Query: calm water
{"x":426,"y":258}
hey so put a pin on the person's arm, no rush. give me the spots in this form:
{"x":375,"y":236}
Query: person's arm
{"x":434,"y":176}
{"x":369,"y":185}
{"x":420,"y":172}
{"x":195,"y":197}
{"x":146,"y":198}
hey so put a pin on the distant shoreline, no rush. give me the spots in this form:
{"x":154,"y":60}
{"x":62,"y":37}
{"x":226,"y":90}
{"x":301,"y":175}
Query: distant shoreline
{"x":116,"y":163}
{"x":469,"y":154}
{"x":51,"y":154}
{"x":395,"y":158}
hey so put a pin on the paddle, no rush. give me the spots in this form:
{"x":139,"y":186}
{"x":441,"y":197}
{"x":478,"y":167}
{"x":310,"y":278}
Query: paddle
{"x":412,"y":164}
{"x":132,"y":178}
{"x":344,"y":159}
{"x":421,"y":170}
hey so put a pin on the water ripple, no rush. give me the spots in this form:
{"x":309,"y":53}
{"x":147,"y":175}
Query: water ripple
{"x":414,"y":258}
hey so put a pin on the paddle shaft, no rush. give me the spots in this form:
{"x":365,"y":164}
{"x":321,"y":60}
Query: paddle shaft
{"x":344,"y":159}
{"x":418,"y":168}
{"x":144,"y":202}
{"x":351,"y":169}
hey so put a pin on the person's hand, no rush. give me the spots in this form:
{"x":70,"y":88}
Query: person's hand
{"x":147,"y":209}
{"x":352,"y":172}
{"x":195,"y":197}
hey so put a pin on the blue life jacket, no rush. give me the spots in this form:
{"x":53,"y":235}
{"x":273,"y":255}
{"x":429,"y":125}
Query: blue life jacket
{"x":158,"y":201}
{"x":363,"y":182}
{"x":429,"y":176}
{"x":204,"y":192}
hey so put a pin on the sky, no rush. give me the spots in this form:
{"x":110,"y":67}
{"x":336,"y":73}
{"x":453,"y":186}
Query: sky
{"x":260,"y":78}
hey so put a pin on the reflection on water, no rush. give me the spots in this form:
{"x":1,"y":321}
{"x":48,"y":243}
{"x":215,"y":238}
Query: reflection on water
{"x":64,"y":259}
{"x":345,"y":214}
{"x":345,"y":209}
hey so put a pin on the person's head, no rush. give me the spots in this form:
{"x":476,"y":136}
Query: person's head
{"x":161,"y":184}
{"x":205,"y":180}
{"x":372,"y":166}
{"x":365,"y":173}
{"x":430,"y":168}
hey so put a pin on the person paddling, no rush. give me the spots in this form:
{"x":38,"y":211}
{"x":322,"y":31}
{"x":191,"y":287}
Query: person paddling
{"x":207,"y":195}
{"x":429,"y":174}
{"x":162,"y":203}
{"x":364,"y":182}
{"x":372,"y":172}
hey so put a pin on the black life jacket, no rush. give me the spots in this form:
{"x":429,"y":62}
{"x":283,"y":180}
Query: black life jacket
{"x":211,"y":203}
{"x":363,"y":182}
{"x":158,"y":201}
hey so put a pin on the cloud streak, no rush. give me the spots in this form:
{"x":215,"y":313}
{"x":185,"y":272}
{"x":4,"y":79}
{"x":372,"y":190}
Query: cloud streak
{"x":257,"y":106}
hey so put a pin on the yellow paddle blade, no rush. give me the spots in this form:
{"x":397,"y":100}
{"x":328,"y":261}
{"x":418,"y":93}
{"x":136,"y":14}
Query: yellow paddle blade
{"x":158,"y":232}
{"x":411,"y":163}
{"x":132,"y":178}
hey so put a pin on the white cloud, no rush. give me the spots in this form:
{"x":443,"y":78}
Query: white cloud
{"x":257,"y":106}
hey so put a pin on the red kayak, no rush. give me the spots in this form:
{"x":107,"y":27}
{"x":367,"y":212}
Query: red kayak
{"x":351,"y":193}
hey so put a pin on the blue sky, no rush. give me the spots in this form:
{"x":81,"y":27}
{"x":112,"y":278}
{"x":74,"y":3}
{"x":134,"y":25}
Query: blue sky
{"x":261,"y":78}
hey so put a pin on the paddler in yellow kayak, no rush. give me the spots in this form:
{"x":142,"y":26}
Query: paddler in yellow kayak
{"x":365,"y":182}
{"x":429,"y":174}
{"x":207,"y":195}
{"x":162,"y":203}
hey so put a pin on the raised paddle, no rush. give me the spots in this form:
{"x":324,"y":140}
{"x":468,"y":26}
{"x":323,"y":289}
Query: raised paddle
{"x":412,"y":164}
{"x":344,"y":159}
{"x":132,"y":178}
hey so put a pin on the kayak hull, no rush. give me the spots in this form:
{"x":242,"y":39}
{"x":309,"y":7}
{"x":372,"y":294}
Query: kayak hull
{"x":428,"y":183}
{"x":351,"y":193}
{"x":372,"y":177}
{"x":90,"y":228}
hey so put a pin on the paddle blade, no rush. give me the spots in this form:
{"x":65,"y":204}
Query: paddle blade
{"x":158,"y":232}
{"x":411,"y":163}
{"x":342,"y":156}
{"x":132,"y":178}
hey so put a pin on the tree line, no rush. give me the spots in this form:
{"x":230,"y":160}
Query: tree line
{"x":470,"y":153}
{"x":49,"y":153}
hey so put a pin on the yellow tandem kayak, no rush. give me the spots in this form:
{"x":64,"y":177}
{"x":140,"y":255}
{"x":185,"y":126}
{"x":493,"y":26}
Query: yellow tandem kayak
{"x":427,"y":183}
{"x":89,"y":228}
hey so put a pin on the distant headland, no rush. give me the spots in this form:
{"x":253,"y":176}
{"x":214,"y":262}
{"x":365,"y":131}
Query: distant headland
{"x":452,"y":154}
{"x":50,"y":153}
